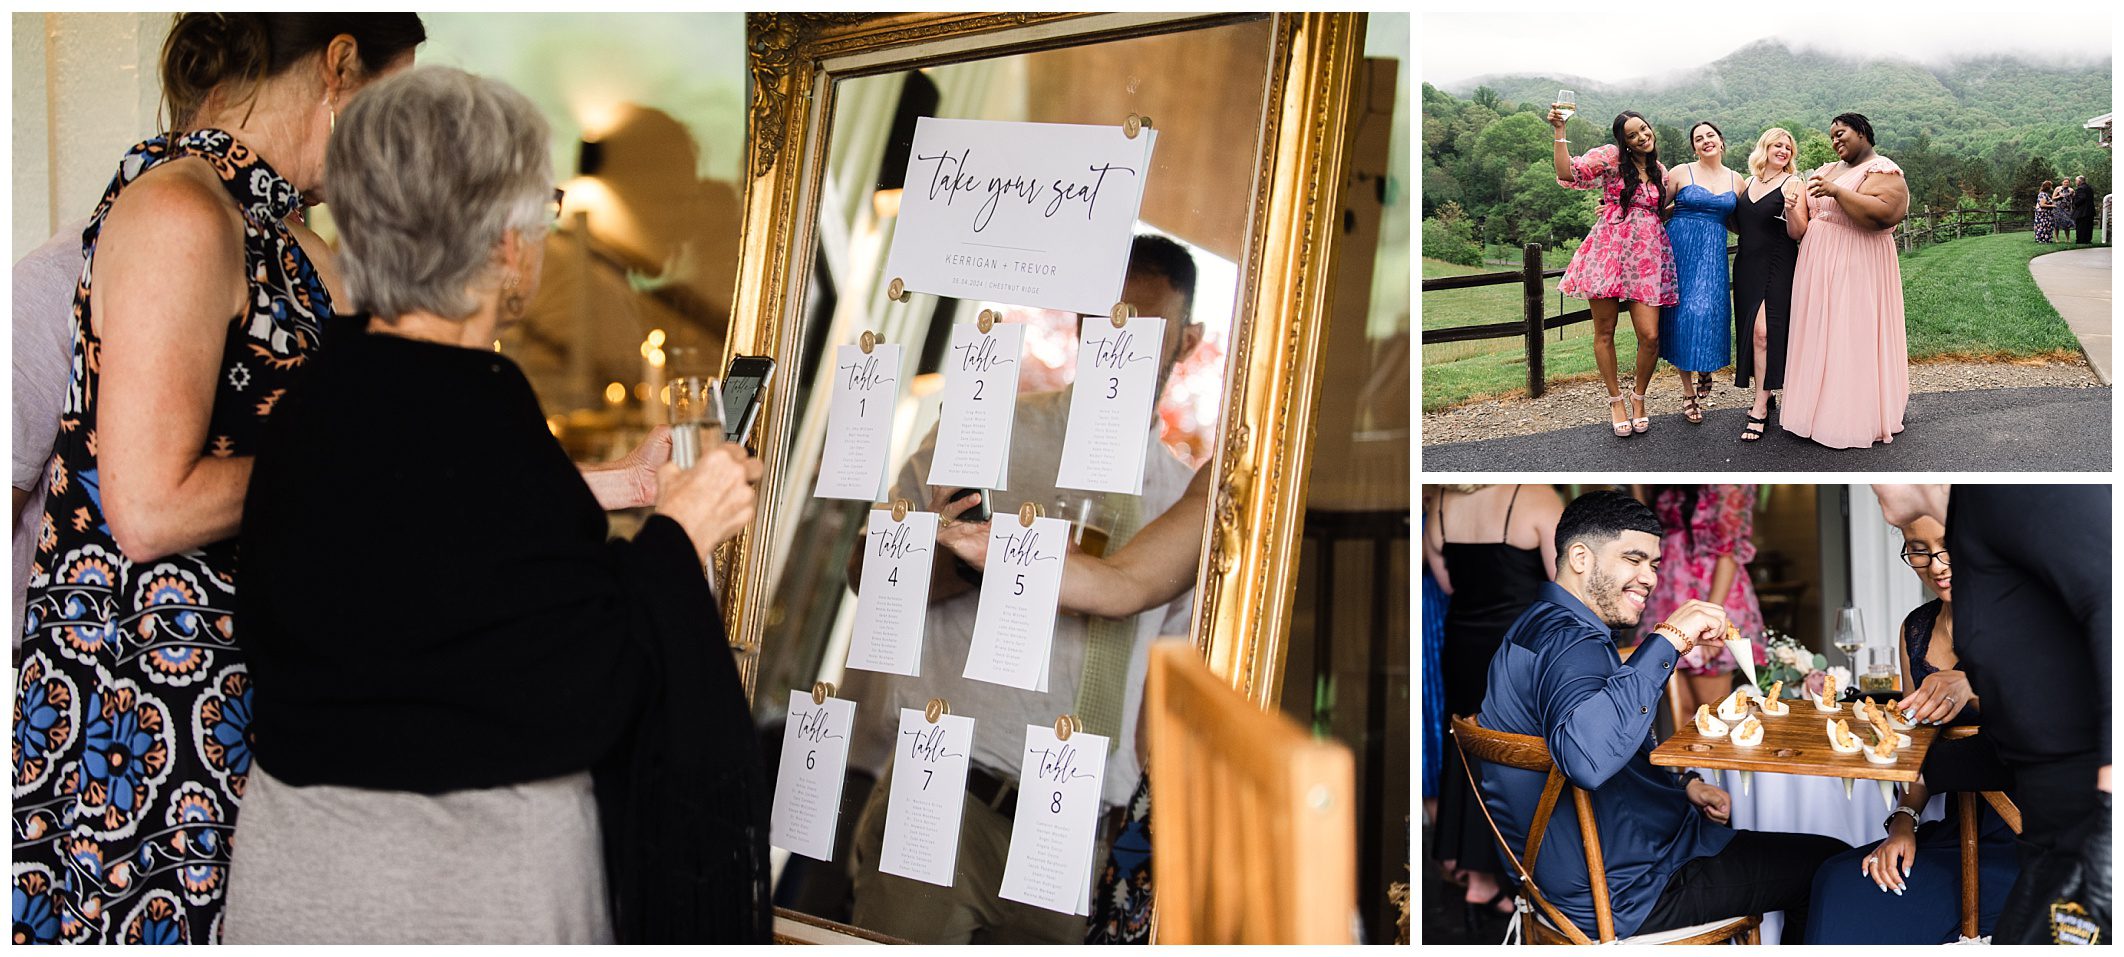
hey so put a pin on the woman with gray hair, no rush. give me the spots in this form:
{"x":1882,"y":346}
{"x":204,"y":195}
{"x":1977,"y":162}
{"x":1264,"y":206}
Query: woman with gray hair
{"x":478,"y":721}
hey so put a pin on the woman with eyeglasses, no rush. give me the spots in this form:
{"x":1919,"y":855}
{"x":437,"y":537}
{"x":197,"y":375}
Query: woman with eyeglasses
{"x":1914,"y":874}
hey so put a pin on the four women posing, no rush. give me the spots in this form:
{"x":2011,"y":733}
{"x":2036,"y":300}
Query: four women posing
{"x":1828,"y":311}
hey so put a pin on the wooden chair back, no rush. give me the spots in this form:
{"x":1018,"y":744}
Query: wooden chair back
{"x":1256,"y":836}
{"x":1530,"y":753}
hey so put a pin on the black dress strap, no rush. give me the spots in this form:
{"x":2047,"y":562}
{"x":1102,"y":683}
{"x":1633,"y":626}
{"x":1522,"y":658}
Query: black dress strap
{"x":1504,"y":537}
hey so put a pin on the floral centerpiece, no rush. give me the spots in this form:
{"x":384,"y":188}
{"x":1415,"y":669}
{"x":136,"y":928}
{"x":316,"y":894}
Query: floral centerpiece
{"x":1782,"y":658}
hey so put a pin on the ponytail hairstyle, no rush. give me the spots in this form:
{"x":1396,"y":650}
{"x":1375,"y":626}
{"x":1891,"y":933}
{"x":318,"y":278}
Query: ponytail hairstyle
{"x":1629,"y":162}
{"x":236,"y":52}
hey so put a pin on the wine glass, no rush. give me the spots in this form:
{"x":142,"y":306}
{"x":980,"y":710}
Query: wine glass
{"x":1790,"y":189}
{"x":1566,"y":103}
{"x":1850,"y":635}
{"x":696,"y":405}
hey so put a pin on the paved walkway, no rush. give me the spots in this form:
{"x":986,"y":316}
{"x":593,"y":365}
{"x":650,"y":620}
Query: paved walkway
{"x":1985,"y":430}
{"x":2077,"y":283}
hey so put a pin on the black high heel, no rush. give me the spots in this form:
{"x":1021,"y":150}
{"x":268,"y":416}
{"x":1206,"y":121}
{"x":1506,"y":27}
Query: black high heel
{"x":1475,"y":913}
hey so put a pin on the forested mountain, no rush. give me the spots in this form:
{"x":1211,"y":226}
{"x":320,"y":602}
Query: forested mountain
{"x":1977,"y":132}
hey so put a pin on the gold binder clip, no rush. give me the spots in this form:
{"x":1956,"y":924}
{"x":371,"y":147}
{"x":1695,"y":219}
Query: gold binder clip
{"x":1030,"y":511}
{"x":869,"y":341}
{"x":1136,"y":123}
{"x":899,"y":509}
{"x":987,"y":321}
{"x":1067,"y":725}
{"x":938,"y":708}
{"x":822,"y":690}
{"x":896,"y":290}
{"x":1122,"y":313}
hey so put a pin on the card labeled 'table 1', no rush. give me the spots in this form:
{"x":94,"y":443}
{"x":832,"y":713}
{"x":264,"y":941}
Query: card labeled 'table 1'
{"x":807,"y":792}
{"x":1111,"y":405}
{"x":894,"y":602}
{"x":866,"y":389}
{"x":980,"y":407}
{"x":927,"y":798}
{"x":1014,"y":629}
{"x":1051,"y":841}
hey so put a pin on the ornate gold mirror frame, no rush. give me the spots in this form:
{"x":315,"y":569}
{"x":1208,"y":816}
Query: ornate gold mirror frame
{"x":1244,"y":589}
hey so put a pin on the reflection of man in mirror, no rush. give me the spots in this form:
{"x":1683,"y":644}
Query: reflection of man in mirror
{"x":1096,"y":666}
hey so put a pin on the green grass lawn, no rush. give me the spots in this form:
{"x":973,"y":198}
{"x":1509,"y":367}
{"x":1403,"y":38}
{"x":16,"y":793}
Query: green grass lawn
{"x":1967,"y":298}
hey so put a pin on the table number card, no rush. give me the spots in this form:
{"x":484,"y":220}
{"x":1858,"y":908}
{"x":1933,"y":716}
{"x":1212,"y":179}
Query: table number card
{"x":807,"y":792}
{"x":927,"y":797}
{"x":1033,"y":214}
{"x":980,"y":406}
{"x":894,"y":602}
{"x":1111,"y":405}
{"x":866,"y":389}
{"x":1014,"y":629}
{"x":1051,"y":841}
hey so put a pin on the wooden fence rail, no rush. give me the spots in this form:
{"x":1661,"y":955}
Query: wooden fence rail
{"x":1918,"y":229}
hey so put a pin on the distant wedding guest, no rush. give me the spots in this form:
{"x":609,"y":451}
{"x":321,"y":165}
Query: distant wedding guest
{"x":2061,"y":210}
{"x":1696,"y":333}
{"x":1847,"y":377}
{"x":538,"y":734}
{"x":1434,"y":606}
{"x":1492,"y":547}
{"x":2083,"y":211}
{"x":1708,"y":543}
{"x":1921,"y":863}
{"x":1626,"y":257}
{"x":2046,"y":214}
{"x":1771,"y":220}
{"x":44,"y":298}
{"x":198,"y":312}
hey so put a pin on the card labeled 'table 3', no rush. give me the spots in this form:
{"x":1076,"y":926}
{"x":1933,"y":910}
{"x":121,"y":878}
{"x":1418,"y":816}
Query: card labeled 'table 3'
{"x":1111,"y":405}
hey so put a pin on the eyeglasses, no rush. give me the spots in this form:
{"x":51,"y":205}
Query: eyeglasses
{"x":553,"y":208}
{"x":1924,"y":559}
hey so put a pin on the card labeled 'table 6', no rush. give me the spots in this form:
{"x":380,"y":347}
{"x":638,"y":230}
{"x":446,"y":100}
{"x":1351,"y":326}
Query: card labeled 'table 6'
{"x":1111,"y":405}
{"x":1034,"y":214}
{"x":807,"y":793}
{"x":1050,"y":863}
{"x":980,"y":407}
{"x":928,"y":796}
{"x":1015,"y":627}
{"x":866,"y":389}
{"x":895,"y":599}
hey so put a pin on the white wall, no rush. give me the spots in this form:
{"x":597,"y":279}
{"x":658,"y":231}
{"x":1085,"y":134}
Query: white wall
{"x":1882,"y":587}
{"x":85,"y":90}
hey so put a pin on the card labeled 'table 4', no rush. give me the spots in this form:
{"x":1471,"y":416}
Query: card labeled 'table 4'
{"x":1033,"y":214}
{"x":894,"y":602}
{"x":866,"y":389}
{"x":1111,"y":405}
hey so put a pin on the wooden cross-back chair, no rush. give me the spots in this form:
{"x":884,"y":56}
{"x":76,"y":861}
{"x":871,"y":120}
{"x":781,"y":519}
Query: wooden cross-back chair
{"x":1965,"y":802}
{"x":1548,"y":925}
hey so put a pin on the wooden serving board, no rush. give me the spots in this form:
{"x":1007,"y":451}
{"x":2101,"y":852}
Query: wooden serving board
{"x":1797,"y":743}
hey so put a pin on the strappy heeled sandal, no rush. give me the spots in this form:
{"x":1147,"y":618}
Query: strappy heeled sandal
{"x":1622,"y":429}
{"x":1703,"y":383}
{"x":1753,"y":431}
{"x":1692,"y":411}
{"x":1642,"y":422}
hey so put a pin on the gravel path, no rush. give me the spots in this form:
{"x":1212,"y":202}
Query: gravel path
{"x":1585,"y":403}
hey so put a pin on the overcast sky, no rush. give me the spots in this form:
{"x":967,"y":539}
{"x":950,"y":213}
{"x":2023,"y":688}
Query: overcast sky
{"x":1456,"y":47}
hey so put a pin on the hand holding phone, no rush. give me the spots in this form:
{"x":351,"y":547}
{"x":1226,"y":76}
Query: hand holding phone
{"x":743,"y":386}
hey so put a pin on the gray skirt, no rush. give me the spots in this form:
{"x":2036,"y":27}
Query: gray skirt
{"x":336,"y":865}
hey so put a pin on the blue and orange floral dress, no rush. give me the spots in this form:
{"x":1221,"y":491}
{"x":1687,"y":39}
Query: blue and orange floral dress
{"x":132,"y":708}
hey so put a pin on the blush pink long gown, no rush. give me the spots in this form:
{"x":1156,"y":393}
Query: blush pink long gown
{"x":1847,"y":371}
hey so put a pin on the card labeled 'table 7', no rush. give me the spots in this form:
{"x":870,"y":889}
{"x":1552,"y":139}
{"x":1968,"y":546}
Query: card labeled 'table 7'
{"x":1033,"y":214}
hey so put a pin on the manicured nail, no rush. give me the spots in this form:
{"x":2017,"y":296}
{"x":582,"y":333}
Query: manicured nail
{"x":1898,"y":892}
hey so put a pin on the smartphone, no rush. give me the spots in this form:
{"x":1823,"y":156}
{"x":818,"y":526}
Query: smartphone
{"x":980,"y":512}
{"x":743,"y":385}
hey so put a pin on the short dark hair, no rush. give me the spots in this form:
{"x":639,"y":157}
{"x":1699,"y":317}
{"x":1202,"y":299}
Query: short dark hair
{"x":1595,"y":518}
{"x":1155,"y":255}
{"x":1858,"y":123}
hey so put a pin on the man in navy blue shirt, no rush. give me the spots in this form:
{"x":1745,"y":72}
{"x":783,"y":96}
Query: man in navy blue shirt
{"x":1671,"y":860}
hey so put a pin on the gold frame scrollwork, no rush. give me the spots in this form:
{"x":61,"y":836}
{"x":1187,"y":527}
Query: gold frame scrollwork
{"x":1245,"y":588}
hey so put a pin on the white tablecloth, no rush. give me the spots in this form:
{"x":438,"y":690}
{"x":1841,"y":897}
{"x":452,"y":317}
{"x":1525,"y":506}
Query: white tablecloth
{"x":1806,"y":804}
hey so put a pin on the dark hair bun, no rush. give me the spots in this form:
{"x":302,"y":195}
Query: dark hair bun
{"x":205,"y":50}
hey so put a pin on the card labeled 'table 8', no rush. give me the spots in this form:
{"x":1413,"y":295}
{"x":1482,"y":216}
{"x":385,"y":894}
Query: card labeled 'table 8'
{"x":1111,"y":405}
{"x":807,"y":792}
{"x":894,"y":602}
{"x":1050,"y":863}
{"x":866,"y":389}
{"x":1015,"y":627}
{"x":927,"y":798}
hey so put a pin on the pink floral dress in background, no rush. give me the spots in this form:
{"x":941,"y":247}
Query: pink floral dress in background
{"x":1722,"y":523}
{"x":1626,"y":256}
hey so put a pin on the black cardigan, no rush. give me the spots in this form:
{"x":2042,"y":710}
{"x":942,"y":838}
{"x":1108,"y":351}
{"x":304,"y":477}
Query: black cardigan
{"x":429,"y":603}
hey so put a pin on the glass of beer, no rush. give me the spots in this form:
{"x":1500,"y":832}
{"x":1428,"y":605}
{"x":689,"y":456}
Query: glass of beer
{"x":1090,"y":528}
{"x":1879,"y":677}
{"x":696,"y":406}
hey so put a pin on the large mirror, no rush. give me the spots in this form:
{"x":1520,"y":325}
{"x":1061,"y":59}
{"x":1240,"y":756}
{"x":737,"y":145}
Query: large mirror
{"x":1233,"y":245}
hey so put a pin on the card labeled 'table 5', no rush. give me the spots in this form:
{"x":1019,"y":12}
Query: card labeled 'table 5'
{"x":1020,"y":588}
{"x":1111,"y":405}
{"x":866,"y":389}
{"x":1033,"y":214}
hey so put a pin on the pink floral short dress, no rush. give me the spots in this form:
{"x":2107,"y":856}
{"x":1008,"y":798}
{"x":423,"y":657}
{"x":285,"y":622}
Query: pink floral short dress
{"x":1720,"y":522}
{"x":1626,"y":256}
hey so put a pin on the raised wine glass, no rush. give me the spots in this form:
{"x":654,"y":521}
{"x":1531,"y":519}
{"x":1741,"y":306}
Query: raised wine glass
{"x":1566,"y":103}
